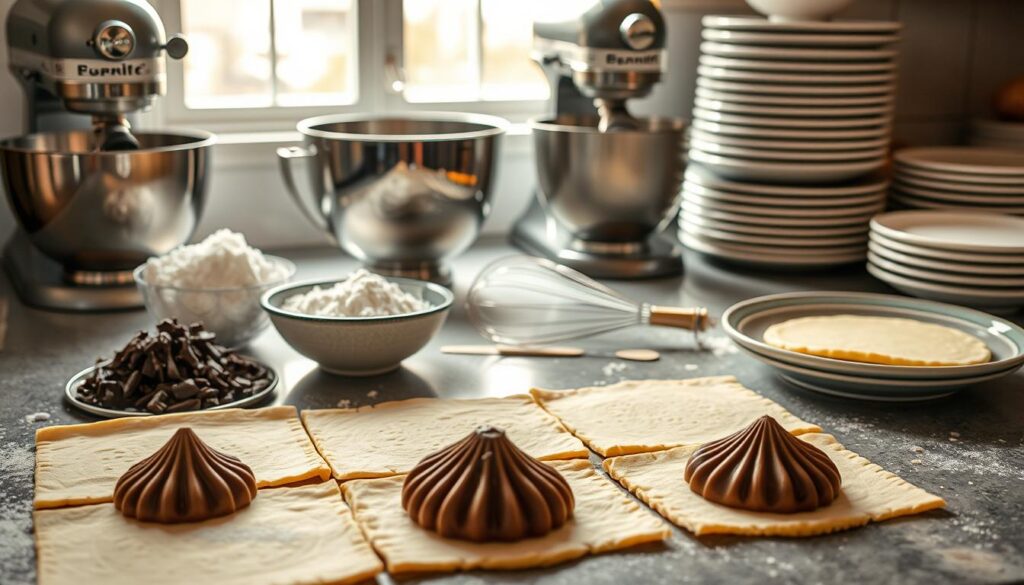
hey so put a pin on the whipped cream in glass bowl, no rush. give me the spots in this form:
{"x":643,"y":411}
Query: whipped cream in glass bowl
{"x":218,"y":282}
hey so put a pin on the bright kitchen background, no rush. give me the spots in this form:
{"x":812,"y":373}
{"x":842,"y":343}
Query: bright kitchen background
{"x":256,"y":67}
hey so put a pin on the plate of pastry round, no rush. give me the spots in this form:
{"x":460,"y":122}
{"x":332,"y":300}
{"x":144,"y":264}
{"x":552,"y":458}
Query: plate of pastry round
{"x":944,"y":277}
{"x":978,"y":233}
{"x":784,"y":172}
{"x":753,"y":23}
{"x":746,"y":321}
{"x":884,"y":88}
{"x":726,"y":237}
{"x":773,"y":230}
{"x":770,"y":257}
{"x":755,"y":219}
{"x":71,"y":395}
{"x":945,"y":264}
{"x":973,"y":160}
{"x":863,"y":186}
{"x":1000,"y":301}
{"x":757,"y":201}
{"x":791,"y":112}
{"x":782,"y":155}
{"x":797,"y":66}
{"x":964,"y":197}
{"x":784,"y":122}
{"x":796,"y":53}
{"x":795,"y":101}
{"x":790,"y":133}
{"x":951,"y":186}
{"x":728,"y":74}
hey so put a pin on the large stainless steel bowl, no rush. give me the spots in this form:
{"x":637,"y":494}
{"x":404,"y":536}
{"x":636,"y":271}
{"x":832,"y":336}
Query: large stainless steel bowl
{"x":106,"y":211}
{"x":402,"y":193}
{"x":609,"y":187}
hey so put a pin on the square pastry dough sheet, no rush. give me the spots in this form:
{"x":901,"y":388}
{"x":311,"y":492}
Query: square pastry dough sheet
{"x":650,"y":415}
{"x":287,"y":536}
{"x":869,"y":493}
{"x":604,"y":519}
{"x":80,"y":464}
{"x":391,"y":438}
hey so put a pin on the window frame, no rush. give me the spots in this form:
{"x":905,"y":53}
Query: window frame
{"x":379,"y":36}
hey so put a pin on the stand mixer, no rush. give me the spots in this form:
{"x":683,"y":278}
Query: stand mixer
{"x":92,"y":198}
{"x":608,"y":182}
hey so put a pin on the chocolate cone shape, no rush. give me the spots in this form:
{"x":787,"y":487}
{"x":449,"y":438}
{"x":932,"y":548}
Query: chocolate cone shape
{"x":484,"y":488}
{"x":763,"y":468}
{"x":184,"y":481}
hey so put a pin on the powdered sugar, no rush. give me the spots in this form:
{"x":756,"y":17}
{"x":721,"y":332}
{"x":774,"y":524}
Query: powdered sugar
{"x":222,"y":260}
{"x":362,"y":294}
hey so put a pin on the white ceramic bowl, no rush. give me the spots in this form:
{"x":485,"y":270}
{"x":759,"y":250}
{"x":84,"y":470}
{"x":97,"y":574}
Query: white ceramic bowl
{"x":798,"y":10}
{"x":234,"y":314}
{"x":359,"y":346}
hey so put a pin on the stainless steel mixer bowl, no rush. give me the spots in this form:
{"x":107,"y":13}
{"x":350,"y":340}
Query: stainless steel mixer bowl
{"x":609,"y":187}
{"x":106,"y":211}
{"x":402,"y":193}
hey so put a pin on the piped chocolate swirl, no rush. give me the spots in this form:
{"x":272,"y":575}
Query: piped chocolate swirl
{"x":484,"y":488}
{"x":184,"y":481}
{"x":763,"y":468}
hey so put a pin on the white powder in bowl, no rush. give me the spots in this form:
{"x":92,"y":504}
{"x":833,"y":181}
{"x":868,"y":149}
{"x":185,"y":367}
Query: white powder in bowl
{"x":222,"y":260}
{"x":362,"y":294}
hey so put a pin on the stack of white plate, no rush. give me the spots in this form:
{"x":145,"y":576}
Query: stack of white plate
{"x":989,"y":180}
{"x":972,"y":259}
{"x":793,"y":102}
{"x":997,"y":133}
{"x":776,"y":225}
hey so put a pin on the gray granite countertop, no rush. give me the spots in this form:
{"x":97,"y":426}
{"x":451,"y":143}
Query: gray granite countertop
{"x":969,"y":446}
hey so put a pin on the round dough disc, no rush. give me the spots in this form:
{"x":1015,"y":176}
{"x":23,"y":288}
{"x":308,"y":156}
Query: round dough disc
{"x":878,"y":340}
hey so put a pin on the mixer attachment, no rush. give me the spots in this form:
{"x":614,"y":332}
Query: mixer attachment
{"x":113,"y":133}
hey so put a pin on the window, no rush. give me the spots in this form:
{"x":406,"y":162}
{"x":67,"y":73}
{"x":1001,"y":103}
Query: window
{"x":264,"y":64}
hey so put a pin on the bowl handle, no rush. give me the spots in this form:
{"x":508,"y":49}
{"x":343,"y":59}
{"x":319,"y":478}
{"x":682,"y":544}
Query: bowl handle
{"x":285,"y":156}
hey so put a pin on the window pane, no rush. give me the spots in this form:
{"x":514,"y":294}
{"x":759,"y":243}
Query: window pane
{"x":508,"y":72}
{"x":440,"y":56}
{"x":228,"y":64}
{"x":316,"y":51}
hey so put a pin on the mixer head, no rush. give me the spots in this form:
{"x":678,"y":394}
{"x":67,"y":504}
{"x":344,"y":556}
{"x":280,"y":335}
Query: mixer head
{"x":102,"y":58}
{"x":613,"y":52}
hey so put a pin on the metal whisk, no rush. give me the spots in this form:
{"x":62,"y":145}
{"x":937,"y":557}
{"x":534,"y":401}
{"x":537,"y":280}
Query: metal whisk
{"x":521,"y":300}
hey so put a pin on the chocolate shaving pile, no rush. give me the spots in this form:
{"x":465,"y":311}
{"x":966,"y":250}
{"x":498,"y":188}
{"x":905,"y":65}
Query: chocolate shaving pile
{"x":178,"y":369}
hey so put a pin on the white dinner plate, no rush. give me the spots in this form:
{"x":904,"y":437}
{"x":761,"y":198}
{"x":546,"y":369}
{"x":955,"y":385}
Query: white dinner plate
{"x":1002,"y":301}
{"x":788,"y":133}
{"x":747,"y":218}
{"x":729,"y":74}
{"x":784,"y":242}
{"x":784,"y":172}
{"x":995,"y":282}
{"x":950,"y":186}
{"x":759,"y":201}
{"x":813,"y":40}
{"x":886,"y":88}
{"x":768,"y":256}
{"x":946,"y":265}
{"x":811,"y":145}
{"x":794,"y":101}
{"x":862,"y":186}
{"x":797,"y":155}
{"x":867,"y":205}
{"x":775,"y":230}
{"x":795,"y":53}
{"x":796,"y":66}
{"x":795,"y":123}
{"x":967,"y":232}
{"x":964,"y":159}
{"x":942,"y":254}
{"x":791,"y":112}
{"x":960,"y":177}
{"x":911,"y":202}
{"x":755,"y":23}
{"x":957,"y":197}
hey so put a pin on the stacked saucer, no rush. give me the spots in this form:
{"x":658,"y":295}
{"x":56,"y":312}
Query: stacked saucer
{"x":997,"y":133}
{"x":775,"y":225}
{"x":989,"y":180}
{"x":972,"y":259}
{"x":793,"y":102}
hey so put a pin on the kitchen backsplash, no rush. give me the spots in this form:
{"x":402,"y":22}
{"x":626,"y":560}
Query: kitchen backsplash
{"x":954,"y":55}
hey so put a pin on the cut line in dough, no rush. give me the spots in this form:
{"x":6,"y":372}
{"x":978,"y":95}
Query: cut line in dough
{"x":604,"y":520}
{"x":287,"y":536}
{"x":651,"y":415}
{"x":869,"y":493}
{"x":390,"y":438}
{"x":878,"y":340}
{"x":80,"y":464}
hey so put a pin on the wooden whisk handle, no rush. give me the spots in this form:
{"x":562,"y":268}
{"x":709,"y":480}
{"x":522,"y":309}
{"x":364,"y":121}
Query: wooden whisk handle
{"x":694,"y":319}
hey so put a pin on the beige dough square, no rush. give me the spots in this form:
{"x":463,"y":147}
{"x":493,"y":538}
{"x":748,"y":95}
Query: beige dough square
{"x":604,"y":520}
{"x":391,"y":438}
{"x":869,"y":493}
{"x":287,"y":536}
{"x":80,"y":464}
{"x":650,"y":415}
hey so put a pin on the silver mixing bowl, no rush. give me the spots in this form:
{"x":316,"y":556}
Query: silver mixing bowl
{"x":609,"y":186}
{"x":106,"y":211}
{"x":402,"y":193}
